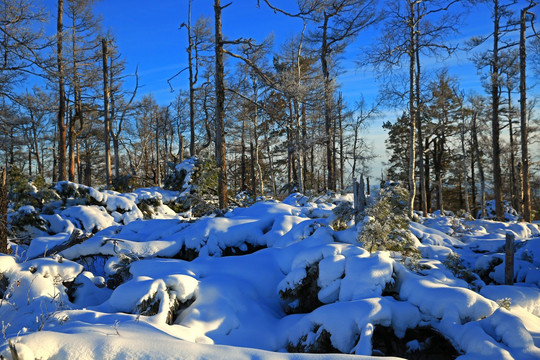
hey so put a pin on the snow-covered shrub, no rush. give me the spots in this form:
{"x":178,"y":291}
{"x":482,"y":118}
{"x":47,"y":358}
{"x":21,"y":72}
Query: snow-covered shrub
{"x":26,"y":220}
{"x":318,"y":341}
{"x":149,"y":206}
{"x":422,"y":342}
{"x":386,"y":224}
{"x":454,"y":263}
{"x":180,"y":175}
{"x":300,"y":293}
{"x":244,"y":198}
{"x":343,"y":214}
{"x":196,"y":179}
{"x":24,"y":190}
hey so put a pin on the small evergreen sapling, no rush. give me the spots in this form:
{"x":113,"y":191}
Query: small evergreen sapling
{"x":386,"y":224}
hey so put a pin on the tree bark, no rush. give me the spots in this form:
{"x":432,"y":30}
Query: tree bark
{"x":513,"y":179}
{"x":3,"y":211}
{"x":495,"y":127}
{"x":341,"y":145}
{"x":192,"y":81}
{"x":62,"y":129}
{"x":412,"y":108}
{"x":243,"y":157}
{"x":526,"y":195}
{"x":480,"y":168}
{"x":220,"y":110}
{"x":464,"y":167}
{"x":331,"y":182}
{"x":106,"y":94}
{"x":421,"y":172}
{"x":253,"y":177}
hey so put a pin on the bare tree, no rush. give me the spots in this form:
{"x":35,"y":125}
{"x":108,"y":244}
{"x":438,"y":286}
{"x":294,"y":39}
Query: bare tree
{"x":62,"y":126}
{"x":221,"y":160}
{"x":525,"y":167}
{"x":338,"y":22}
{"x":21,"y":39}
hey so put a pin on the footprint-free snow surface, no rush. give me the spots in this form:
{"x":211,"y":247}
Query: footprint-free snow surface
{"x":271,"y":281}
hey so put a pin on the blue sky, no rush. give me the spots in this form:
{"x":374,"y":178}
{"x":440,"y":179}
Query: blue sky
{"x":148,"y":35}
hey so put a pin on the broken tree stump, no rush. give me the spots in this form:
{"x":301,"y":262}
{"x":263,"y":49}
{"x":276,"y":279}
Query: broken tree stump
{"x":509,"y":259}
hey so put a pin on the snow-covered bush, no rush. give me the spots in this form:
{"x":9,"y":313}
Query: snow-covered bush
{"x":196,"y":180}
{"x":343,"y":214}
{"x":386,"y":224}
{"x":454,"y":263}
{"x":25,"y":221}
{"x":300,"y":294}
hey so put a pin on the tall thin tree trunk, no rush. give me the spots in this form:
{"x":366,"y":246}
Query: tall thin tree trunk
{"x":192,"y":81}
{"x":221,"y":161}
{"x":253,"y":176}
{"x":464,"y":166}
{"x":256,"y":137}
{"x":473,"y":186}
{"x":513,"y":181}
{"x":427,"y":172}
{"x":412,"y":107}
{"x":62,"y":130}
{"x":495,"y":127}
{"x":480,"y":168}
{"x":331,"y":183}
{"x":106,"y":94}
{"x":270,"y":161}
{"x":243,"y":157}
{"x":158,"y":160}
{"x":527,"y":213}
{"x":418,"y":120}
{"x":341,"y":145}
{"x":3,"y":212}
{"x":71,"y":143}
{"x":299,"y":149}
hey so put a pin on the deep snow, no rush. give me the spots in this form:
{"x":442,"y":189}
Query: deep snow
{"x":129,"y":291}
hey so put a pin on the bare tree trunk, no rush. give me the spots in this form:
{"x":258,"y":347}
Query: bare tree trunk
{"x":55,"y":173}
{"x":243,"y":157}
{"x":158,"y":162}
{"x":270,"y":162}
{"x":473,"y":185}
{"x":299,"y":150}
{"x":71,"y":143}
{"x":3,"y":211}
{"x":427,"y":172}
{"x":421,"y":173}
{"x":256,"y":137}
{"x":464,"y":166}
{"x":513,"y":181}
{"x":341,"y":145}
{"x":253,"y":180}
{"x":331,"y":183}
{"x":480,"y":168}
{"x":106,"y":94}
{"x":495,"y":127}
{"x":304,"y":145}
{"x":221,"y":161}
{"x":62,"y":171}
{"x":192,"y":81}
{"x":526,"y":194}
{"x":412,"y":109}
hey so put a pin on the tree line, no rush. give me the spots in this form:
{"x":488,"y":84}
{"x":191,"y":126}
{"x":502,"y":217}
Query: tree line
{"x":273,"y":117}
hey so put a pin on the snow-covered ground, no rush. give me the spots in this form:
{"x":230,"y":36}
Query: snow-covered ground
{"x":261,"y":282}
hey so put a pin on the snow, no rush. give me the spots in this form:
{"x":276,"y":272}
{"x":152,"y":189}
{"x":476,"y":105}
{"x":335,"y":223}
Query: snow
{"x":226,"y":287}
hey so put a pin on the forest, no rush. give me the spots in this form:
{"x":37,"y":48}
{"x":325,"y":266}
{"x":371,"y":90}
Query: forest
{"x":270,"y":117}
{"x":245,"y":219}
